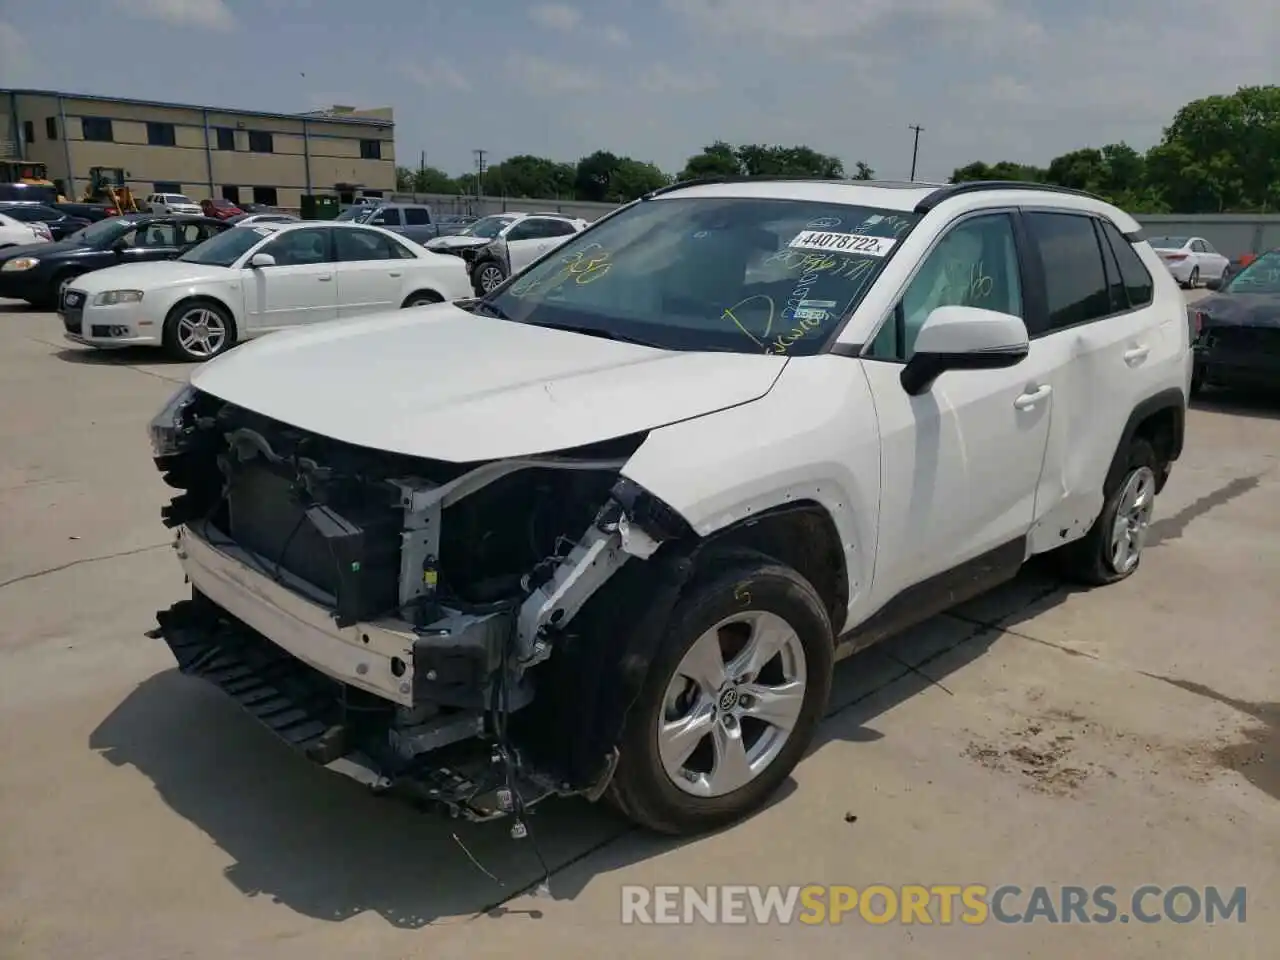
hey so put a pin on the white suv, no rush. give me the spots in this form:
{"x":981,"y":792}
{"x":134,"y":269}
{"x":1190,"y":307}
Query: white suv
{"x":606,"y":530}
{"x":497,"y":246}
{"x":172,"y":203}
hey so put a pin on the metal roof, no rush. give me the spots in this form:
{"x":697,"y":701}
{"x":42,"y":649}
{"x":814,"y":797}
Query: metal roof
{"x":340,"y":118}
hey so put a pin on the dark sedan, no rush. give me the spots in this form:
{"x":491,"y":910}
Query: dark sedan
{"x":61,"y":225}
{"x":1237,"y":329}
{"x":39,"y":273}
{"x":93,"y":212}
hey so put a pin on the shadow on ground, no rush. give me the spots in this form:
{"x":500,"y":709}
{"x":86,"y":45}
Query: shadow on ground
{"x":324,"y":847}
{"x":1260,"y":403}
{"x":125,"y":356}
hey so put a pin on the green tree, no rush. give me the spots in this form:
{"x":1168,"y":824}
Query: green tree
{"x":594,"y":175}
{"x":1004,"y":170}
{"x":718,"y":159}
{"x":632,"y":179}
{"x":863,"y":172}
{"x":530,"y":176}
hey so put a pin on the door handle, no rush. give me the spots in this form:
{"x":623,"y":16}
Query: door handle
{"x":1136,"y":355}
{"x":327,"y":276}
{"x":395,"y":273}
{"x":1029,"y":399}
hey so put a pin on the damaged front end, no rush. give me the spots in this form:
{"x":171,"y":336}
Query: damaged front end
{"x":467,"y":634}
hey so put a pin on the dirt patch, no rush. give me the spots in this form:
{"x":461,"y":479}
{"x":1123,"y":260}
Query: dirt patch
{"x":1040,"y":752}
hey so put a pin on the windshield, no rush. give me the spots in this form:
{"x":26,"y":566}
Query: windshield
{"x":1261,"y":276}
{"x":176,"y":198}
{"x":486,"y":227}
{"x":226,"y":248}
{"x":744,"y":274}
{"x":104,"y":231}
{"x":1169,"y":243}
{"x":357,"y":214}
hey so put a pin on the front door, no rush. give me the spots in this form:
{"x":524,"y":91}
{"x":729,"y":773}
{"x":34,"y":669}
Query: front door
{"x":299,"y":287}
{"x":154,"y":240}
{"x":960,"y":463}
{"x":531,"y":238}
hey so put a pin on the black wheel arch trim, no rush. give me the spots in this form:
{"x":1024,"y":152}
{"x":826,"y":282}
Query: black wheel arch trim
{"x":1173,"y":400}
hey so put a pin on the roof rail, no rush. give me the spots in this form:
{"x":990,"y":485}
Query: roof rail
{"x":781,"y":178}
{"x":978,"y":186}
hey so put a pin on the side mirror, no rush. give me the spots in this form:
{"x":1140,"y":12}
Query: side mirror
{"x":120,"y":245}
{"x":262,"y":260}
{"x":1213,"y":284}
{"x":963,"y":338}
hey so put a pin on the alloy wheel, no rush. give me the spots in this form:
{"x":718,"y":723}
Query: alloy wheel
{"x":1133,"y":516}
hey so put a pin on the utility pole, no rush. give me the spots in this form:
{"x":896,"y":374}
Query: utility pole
{"x":479,"y":172}
{"x":915,"y":150}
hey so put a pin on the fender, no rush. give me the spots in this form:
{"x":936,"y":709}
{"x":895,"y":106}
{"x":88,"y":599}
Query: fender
{"x":1172,"y":400}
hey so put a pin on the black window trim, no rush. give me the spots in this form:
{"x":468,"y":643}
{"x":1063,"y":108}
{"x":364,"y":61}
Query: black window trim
{"x":386,"y":236}
{"x":1111,"y":266}
{"x":330,"y":245}
{"x":891,"y":315}
{"x":1043,"y":329}
{"x":1102,"y":236}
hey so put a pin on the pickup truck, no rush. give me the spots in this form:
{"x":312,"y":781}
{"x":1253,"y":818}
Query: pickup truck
{"x":412,"y":220}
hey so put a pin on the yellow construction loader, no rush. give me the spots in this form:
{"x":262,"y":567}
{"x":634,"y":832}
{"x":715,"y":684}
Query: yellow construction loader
{"x":107,"y":185}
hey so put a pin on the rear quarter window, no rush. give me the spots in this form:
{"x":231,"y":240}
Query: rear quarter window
{"x":1138,"y":284}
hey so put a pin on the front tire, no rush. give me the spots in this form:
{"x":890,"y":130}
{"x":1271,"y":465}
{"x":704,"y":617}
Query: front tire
{"x":488,"y":276}
{"x":731,"y":700}
{"x":1112,"y":549}
{"x":198,"y":330}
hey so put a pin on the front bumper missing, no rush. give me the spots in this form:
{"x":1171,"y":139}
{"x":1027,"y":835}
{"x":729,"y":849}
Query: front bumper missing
{"x":312,"y":713}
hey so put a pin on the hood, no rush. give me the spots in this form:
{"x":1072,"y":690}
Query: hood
{"x":40,"y":248}
{"x":148,"y":276}
{"x":455,"y":242}
{"x":441,"y":383}
{"x":1240,"y":309}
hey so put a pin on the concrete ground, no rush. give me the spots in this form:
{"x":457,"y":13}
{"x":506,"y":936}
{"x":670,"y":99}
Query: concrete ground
{"x":1039,"y":735}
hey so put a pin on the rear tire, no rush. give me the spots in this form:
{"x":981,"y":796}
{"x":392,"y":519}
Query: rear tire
{"x":1112,"y":549}
{"x":697,"y":754}
{"x":421,"y":298}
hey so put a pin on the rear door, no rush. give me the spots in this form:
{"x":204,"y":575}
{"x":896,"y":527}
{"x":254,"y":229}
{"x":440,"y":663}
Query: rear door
{"x":370,"y":269}
{"x":532,"y":237}
{"x":1097,"y":330}
{"x":299,"y":287}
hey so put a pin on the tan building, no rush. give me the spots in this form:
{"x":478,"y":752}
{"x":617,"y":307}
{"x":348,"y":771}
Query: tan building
{"x":243,"y":155}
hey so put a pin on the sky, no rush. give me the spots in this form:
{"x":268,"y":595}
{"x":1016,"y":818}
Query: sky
{"x":1021,"y":80}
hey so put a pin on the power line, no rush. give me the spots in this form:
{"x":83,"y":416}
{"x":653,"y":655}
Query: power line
{"x":915,"y":150}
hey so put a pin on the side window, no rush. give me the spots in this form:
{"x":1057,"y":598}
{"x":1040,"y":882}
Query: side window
{"x":158,"y":235}
{"x":1075,"y":281}
{"x":355,"y":245}
{"x":1138,"y":284}
{"x":193,"y":233}
{"x":387,"y":217}
{"x":975,"y":264}
{"x":1197,"y":246}
{"x":559,"y":228}
{"x":417,"y":217}
{"x":525,"y":230}
{"x":300,"y":247}
{"x":1116,"y":297}
{"x":1208,"y":247}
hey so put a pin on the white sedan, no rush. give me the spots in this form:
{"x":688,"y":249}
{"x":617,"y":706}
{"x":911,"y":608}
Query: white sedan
{"x":1191,"y":260}
{"x":16,"y":233}
{"x":242,"y":283}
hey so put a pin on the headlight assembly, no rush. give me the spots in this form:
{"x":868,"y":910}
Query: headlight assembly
{"x":169,"y":425}
{"x":110,"y":297}
{"x":20,"y":263}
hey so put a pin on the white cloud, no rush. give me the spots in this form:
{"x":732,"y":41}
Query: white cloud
{"x":663,"y":79}
{"x":542,"y":77}
{"x":206,"y":14}
{"x":615,"y":36}
{"x":438,"y":73}
{"x":556,"y":16}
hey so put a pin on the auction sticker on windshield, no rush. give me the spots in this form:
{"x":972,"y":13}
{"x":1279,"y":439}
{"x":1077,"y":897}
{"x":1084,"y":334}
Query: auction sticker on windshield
{"x":828,"y":242}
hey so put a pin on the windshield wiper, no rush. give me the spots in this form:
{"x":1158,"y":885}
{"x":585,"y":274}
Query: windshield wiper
{"x":596,"y":332}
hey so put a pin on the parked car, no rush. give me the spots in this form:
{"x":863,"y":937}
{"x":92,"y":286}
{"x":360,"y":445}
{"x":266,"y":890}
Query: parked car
{"x":1190,"y":259}
{"x":257,"y":208}
{"x":252,"y":281}
{"x":17,"y":235}
{"x":220,"y":208}
{"x":412,"y":220}
{"x":605,"y":530}
{"x":41,"y":276}
{"x":454,"y":223}
{"x":1237,"y":329}
{"x":59,"y":224}
{"x":518,"y":245}
{"x":252,"y":219}
{"x":172,"y":203}
{"x":93,"y":212}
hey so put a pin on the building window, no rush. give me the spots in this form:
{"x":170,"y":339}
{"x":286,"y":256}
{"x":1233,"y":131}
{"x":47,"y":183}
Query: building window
{"x":260,"y":141}
{"x":226,"y":138}
{"x":232,"y":194}
{"x":371,"y":149}
{"x":373,"y":193}
{"x":167,"y":186}
{"x":51,"y":127}
{"x":265,"y":195}
{"x":98,"y":128}
{"x":161,"y":135}
{"x":28,"y":131}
